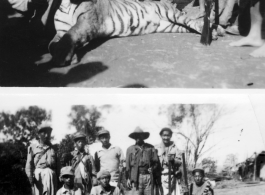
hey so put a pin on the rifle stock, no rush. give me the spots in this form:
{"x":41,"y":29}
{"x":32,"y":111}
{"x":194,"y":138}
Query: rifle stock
{"x":185,"y":174}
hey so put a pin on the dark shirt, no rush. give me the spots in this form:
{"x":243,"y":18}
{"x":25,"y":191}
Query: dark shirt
{"x":140,"y":158}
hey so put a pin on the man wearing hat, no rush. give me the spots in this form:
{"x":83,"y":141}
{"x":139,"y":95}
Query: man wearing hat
{"x":41,"y":163}
{"x":141,"y":163}
{"x":67,"y":177}
{"x":200,"y":186}
{"x":168,"y":153}
{"x":104,"y":187}
{"x":83,"y":165}
{"x":109,"y":157}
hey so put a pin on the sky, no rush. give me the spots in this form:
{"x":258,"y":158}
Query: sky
{"x":240,"y":130}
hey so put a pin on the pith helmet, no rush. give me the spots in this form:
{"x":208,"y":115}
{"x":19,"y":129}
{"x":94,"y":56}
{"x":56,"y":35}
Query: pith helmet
{"x":44,"y":126}
{"x":79,"y":135}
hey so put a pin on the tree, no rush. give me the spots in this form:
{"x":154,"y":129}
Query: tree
{"x":230,"y":162}
{"x":23,"y":124}
{"x":209,"y":165}
{"x":201,"y":120}
{"x":85,"y":119}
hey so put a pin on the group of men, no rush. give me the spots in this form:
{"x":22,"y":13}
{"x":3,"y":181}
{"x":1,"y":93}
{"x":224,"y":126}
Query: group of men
{"x":148,"y":169}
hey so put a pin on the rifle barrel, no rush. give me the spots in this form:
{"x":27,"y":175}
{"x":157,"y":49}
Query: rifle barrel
{"x":185,"y":172}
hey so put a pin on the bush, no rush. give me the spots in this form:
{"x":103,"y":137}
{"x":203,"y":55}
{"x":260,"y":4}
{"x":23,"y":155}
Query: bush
{"x":13,"y":179}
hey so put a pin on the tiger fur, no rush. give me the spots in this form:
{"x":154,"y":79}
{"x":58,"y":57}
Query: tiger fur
{"x":79,"y":21}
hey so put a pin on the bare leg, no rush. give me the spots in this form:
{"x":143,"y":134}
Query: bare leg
{"x":202,"y":10}
{"x":227,"y":13}
{"x":254,"y":37}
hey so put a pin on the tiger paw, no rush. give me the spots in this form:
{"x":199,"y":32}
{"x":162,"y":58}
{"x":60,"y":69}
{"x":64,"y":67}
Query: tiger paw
{"x":63,"y":51}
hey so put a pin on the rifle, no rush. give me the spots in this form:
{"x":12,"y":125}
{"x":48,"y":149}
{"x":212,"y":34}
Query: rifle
{"x":119,"y":180}
{"x":185,"y":174}
{"x":152,"y":180}
{"x":169,"y":177}
{"x":32,"y":190}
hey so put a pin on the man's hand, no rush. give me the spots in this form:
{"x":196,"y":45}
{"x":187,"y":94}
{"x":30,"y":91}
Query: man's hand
{"x":94,"y":182}
{"x":129,"y":184}
{"x":31,"y":181}
{"x":150,"y":170}
{"x":170,"y":157}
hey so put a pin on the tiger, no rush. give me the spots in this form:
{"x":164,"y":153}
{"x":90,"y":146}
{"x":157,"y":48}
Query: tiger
{"x":77,"y":22}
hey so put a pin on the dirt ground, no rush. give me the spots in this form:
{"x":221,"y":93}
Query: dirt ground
{"x":153,"y":61}
{"x":257,"y":189}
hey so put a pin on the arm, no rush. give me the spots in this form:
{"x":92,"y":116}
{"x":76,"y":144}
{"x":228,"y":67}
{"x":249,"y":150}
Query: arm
{"x":178,"y":159}
{"x":93,"y":171}
{"x":128,"y":175}
{"x":122,"y":159}
{"x":30,"y":164}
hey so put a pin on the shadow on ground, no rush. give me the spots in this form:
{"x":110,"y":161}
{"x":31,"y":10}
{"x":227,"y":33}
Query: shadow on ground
{"x":156,"y":60}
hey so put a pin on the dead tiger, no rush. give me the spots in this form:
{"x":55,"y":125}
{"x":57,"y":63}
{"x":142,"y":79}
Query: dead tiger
{"x":79,"y":21}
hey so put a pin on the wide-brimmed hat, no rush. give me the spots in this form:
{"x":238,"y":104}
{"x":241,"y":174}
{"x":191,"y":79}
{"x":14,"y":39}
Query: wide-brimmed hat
{"x":166,"y":129}
{"x":44,"y":126}
{"x":198,"y":169}
{"x":103,"y":174}
{"x":66,"y":171}
{"x":79,"y":135}
{"x":139,"y":131}
{"x":102,"y":132}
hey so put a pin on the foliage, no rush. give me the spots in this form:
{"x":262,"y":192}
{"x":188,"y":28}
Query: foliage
{"x":230,"y":162}
{"x":85,"y":119}
{"x":13,"y":179}
{"x":66,"y":146}
{"x":200,"y":120}
{"x":209,"y":165}
{"x":23,"y":124}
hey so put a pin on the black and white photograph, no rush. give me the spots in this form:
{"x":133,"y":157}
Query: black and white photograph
{"x":132,"y":144}
{"x":132,"y":43}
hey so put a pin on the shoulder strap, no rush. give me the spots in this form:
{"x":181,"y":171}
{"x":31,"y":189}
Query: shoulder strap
{"x":42,"y":154}
{"x":191,"y":188}
{"x":77,"y":162}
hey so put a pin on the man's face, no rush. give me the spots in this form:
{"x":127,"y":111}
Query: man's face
{"x":45,"y":135}
{"x":68,"y":180}
{"x":198,"y":178}
{"x":166,"y":136}
{"x":104,"y":139}
{"x":90,"y":140}
{"x":104,"y":181}
{"x":80,"y":144}
{"x":139,"y":138}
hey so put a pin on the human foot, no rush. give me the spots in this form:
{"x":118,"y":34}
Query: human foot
{"x":259,"y":53}
{"x":247,"y":41}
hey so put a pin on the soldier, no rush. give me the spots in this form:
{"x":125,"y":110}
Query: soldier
{"x":67,"y":177}
{"x":141,"y":163}
{"x":41,"y":163}
{"x":104,"y":187}
{"x":200,"y":186}
{"x":83,"y":165}
{"x":109,"y":157}
{"x":169,"y":157}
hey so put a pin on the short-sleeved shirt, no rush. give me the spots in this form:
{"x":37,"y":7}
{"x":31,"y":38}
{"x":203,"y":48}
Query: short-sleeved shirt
{"x":64,"y":191}
{"x":40,"y":156}
{"x":109,"y":159}
{"x":98,"y":190}
{"x":163,"y":151}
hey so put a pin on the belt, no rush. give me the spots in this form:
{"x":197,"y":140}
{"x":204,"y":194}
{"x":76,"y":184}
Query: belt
{"x":144,"y":172}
